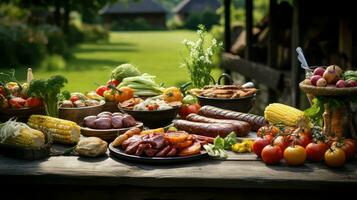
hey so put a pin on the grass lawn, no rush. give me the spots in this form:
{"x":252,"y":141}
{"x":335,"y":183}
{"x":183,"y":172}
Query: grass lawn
{"x":155,"y":52}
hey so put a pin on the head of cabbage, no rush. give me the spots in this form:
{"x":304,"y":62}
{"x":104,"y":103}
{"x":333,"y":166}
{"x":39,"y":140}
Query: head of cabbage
{"x":125,"y":70}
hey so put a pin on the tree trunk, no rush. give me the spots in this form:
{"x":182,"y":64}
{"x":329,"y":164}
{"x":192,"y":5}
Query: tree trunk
{"x":66,"y":16}
{"x":57,"y":13}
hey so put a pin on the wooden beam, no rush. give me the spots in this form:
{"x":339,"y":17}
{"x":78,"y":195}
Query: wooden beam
{"x":227,"y":31}
{"x":227,"y":25}
{"x":259,"y":72}
{"x":248,"y":27}
{"x":272,"y":45}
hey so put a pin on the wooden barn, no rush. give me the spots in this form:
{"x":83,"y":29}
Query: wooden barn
{"x":187,"y":7}
{"x":150,"y":11}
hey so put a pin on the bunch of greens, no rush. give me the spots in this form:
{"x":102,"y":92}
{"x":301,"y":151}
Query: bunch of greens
{"x":199,"y":61}
{"x":220,"y":145}
{"x":316,"y":111}
{"x":143,"y":85}
{"x":49,"y":91}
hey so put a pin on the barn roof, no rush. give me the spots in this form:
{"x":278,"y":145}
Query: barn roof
{"x":188,"y":6}
{"x":131,"y":6}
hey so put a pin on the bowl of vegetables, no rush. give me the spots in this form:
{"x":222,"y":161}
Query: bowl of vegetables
{"x":78,"y":106}
{"x":153,"y":112}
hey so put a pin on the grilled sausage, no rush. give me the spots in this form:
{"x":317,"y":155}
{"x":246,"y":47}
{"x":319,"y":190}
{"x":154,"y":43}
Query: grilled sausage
{"x":254,"y":120}
{"x":206,"y":129}
{"x":241,"y":128}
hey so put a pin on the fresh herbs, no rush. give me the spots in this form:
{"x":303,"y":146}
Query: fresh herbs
{"x":217,"y":149}
{"x":199,"y":62}
{"x":315,"y":112}
{"x":49,"y":91}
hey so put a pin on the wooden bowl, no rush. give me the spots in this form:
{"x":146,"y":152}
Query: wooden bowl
{"x":22,"y":114}
{"x":244,"y":104}
{"x":107,"y":134}
{"x":327,"y":91}
{"x":111,"y":106}
{"x":155,"y":118}
{"x":78,"y":114}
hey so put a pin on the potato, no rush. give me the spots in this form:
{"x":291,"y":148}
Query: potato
{"x":117,"y":114}
{"x":103,"y":123}
{"x":67,"y":104}
{"x":117,"y":121}
{"x":104,"y":114}
{"x":89,"y":121}
{"x":91,"y":147}
{"x":128,"y":121}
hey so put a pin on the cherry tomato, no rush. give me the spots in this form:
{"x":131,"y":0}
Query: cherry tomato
{"x":335,"y":157}
{"x":282,"y":142}
{"x":109,"y":95}
{"x":258,"y":145}
{"x":316,"y":151}
{"x":124,"y":93}
{"x":295,"y":155}
{"x":268,"y":130}
{"x":33,"y":102}
{"x":74,"y":98}
{"x":101,"y":89}
{"x":271,"y":154}
{"x":348,"y":146}
{"x":188,"y":109}
{"x":300,"y":139}
{"x":113,"y":82}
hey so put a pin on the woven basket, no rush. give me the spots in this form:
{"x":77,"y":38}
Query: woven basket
{"x":327,"y":91}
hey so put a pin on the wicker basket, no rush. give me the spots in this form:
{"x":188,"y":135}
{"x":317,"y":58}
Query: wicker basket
{"x":327,"y":91}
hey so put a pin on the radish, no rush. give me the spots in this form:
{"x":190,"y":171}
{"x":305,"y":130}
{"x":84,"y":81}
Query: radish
{"x":341,"y":84}
{"x":314,"y":79}
{"x":319,"y":71}
{"x":351,"y":83}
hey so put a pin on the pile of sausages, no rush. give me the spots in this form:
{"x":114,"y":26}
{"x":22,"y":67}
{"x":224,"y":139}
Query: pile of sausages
{"x":212,"y":121}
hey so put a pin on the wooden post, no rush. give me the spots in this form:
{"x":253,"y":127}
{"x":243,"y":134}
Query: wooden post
{"x":227,"y":30}
{"x":272,"y":47}
{"x":248,"y":27}
{"x":295,"y":68}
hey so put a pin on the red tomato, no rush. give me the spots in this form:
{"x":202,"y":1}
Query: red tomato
{"x":335,"y":157}
{"x":101,"y":89}
{"x":316,"y":151}
{"x":267,"y":130}
{"x":348,"y":146}
{"x":258,"y":145}
{"x":33,"y":102}
{"x":188,"y":109}
{"x":282,"y":142}
{"x":74,"y":98}
{"x":300,"y":139}
{"x":271,"y":154}
{"x":295,"y":155}
{"x":113,"y":82}
{"x":17,"y":102}
{"x":2,"y":91}
{"x":269,"y":138}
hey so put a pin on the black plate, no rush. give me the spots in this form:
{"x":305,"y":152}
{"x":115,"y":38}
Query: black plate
{"x":119,"y":153}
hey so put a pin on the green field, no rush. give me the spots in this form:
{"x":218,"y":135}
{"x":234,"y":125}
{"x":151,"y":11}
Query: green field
{"x":155,"y":52}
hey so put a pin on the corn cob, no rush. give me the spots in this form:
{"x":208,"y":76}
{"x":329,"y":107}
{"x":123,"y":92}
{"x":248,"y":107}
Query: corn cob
{"x":277,"y":113}
{"x":21,"y":135}
{"x":60,"y":131}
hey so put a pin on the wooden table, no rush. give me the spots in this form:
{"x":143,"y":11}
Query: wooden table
{"x":72,"y":177}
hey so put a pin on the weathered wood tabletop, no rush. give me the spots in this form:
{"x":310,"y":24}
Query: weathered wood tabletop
{"x":243,"y":172}
{"x":242,"y":177}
